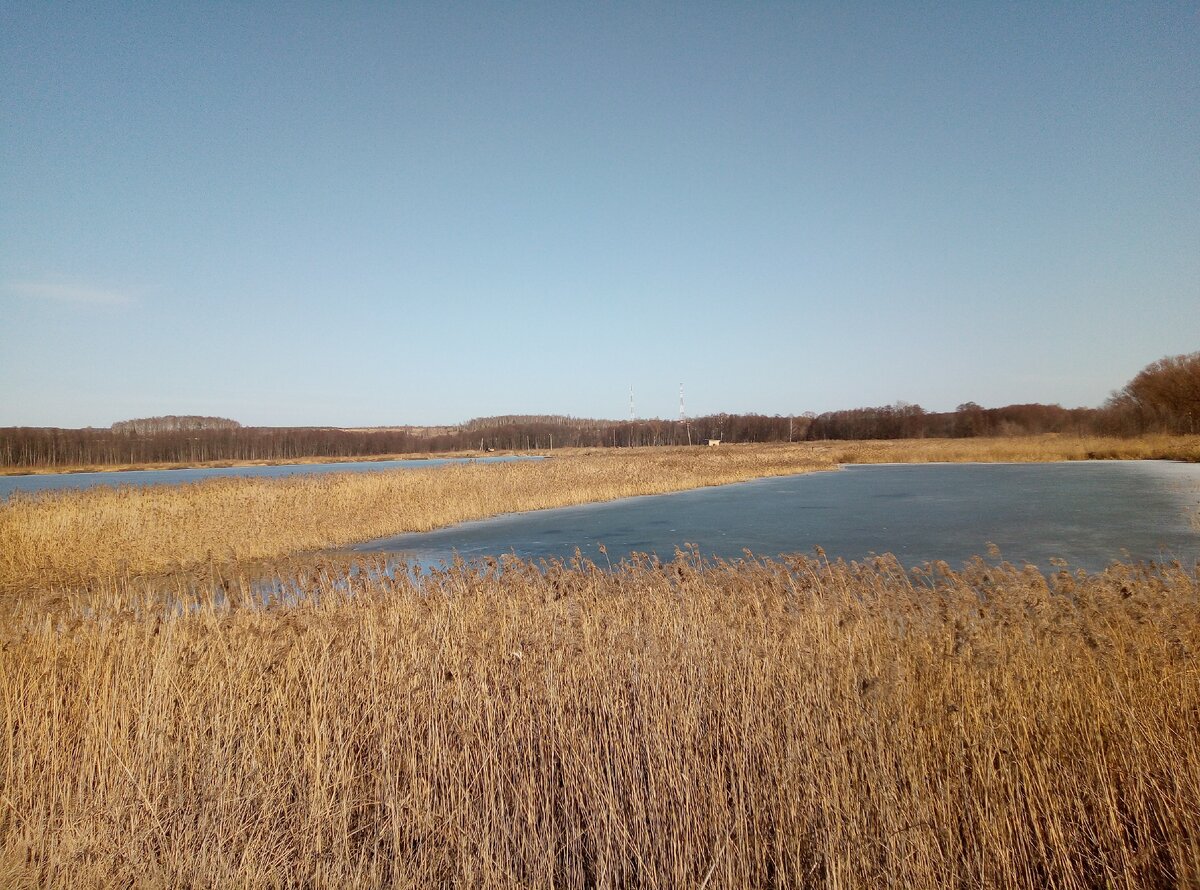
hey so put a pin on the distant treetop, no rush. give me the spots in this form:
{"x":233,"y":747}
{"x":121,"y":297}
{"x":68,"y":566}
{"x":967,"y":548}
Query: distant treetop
{"x":502,"y":420}
{"x":172,"y":424}
{"x":1164,"y":396}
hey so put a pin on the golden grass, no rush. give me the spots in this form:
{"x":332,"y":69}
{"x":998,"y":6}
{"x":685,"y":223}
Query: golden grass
{"x":758,"y":724}
{"x":68,"y":538}
{"x":784,"y":723}
{"x":71,"y":469}
{"x":1018,"y":449}
{"x":72,"y":537}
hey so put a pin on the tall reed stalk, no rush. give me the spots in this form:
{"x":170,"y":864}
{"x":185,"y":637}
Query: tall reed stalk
{"x":686,"y":724}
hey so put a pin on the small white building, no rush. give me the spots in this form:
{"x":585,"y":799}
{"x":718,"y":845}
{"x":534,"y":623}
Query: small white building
{"x":713,"y":443}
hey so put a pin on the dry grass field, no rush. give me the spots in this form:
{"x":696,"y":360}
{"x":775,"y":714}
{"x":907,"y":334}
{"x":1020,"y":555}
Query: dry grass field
{"x":1017,"y":449}
{"x":785,"y":723}
{"x":70,"y":538}
{"x":757,"y":724}
{"x":69,"y":469}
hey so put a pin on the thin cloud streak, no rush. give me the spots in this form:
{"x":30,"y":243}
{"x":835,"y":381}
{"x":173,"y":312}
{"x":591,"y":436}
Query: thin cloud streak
{"x":63,"y":292}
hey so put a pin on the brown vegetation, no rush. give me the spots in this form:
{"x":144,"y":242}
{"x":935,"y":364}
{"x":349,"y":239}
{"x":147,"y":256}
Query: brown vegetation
{"x":759,"y":724}
{"x":71,"y":537}
{"x":172,"y":423}
{"x":69,"y":469}
{"x":762,"y":723}
{"x":1163,"y":396}
{"x":1018,"y":449}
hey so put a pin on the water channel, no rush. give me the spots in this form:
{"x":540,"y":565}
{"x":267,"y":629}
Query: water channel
{"x":1087,"y":513}
{"x":59,"y":481}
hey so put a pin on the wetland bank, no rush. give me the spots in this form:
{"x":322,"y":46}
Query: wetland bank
{"x":663,"y":722}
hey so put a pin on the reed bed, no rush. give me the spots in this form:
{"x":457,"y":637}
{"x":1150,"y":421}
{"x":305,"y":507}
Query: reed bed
{"x":1017,"y":449}
{"x":69,"y":538}
{"x":69,"y":469}
{"x":785,"y":723}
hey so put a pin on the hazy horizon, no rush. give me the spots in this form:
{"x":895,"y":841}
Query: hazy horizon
{"x":467,"y":420}
{"x":373,"y":216}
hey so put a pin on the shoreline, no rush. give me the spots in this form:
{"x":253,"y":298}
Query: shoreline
{"x":1146,"y":447}
{"x":158,"y":466}
{"x":73,"y":536}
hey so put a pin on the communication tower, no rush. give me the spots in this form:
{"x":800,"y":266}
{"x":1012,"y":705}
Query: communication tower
{"x":683,"y":416}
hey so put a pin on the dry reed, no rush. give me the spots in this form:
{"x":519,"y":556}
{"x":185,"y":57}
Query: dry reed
{"x":73,"y":537}
{"x":71,"y":469}
{"x":753,"y":724}
{"x":1018,"y":449}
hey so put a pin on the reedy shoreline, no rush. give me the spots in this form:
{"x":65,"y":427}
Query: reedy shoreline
{"x":62,"y":538}
{"x":1015,"y":448}
{"x":70,"y":538}
{"x":77,"y":469}
{"x":721,"y":724}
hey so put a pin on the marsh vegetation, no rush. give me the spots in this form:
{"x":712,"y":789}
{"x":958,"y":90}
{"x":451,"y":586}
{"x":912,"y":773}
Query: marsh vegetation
{"x":71,"y":537}
{"x":792,"y":722}
{"x":754,"y":723}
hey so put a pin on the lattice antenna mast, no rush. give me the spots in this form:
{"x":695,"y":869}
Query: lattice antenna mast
{"x":683,"y":416}
{"x":631,"y":415}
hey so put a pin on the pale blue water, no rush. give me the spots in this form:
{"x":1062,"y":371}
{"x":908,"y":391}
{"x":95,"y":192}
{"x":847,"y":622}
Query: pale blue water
{"x":59,"y":481}
{"x":1088,"y":513}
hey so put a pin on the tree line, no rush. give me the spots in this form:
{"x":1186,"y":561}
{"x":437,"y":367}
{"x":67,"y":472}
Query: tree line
{"x":145,"y":426}
{"x":1163,"y":397}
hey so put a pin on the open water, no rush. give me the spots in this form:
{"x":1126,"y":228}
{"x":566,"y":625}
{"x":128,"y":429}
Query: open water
{"x":1088,"y":513}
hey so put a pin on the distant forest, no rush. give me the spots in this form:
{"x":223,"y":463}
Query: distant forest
{"x":1163,"y":397}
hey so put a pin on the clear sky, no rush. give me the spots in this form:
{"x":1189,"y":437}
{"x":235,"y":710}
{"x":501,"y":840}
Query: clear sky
{"x":377,"y":213}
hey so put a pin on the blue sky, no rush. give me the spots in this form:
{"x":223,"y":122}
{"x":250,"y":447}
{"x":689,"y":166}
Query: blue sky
{"x":363,"y":214}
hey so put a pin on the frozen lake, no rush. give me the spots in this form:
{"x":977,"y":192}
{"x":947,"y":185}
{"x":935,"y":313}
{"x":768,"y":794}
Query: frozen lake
{"x":1088,"y":513}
